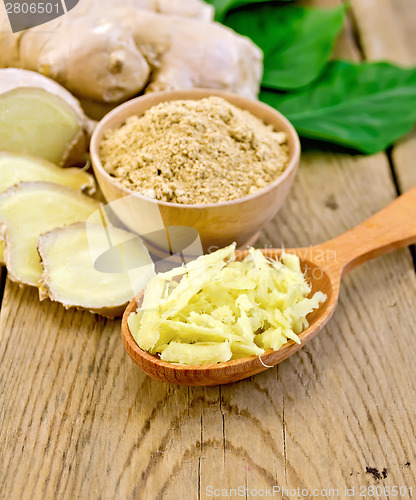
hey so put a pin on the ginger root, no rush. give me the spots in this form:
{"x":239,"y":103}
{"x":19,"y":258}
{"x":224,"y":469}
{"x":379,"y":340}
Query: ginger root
{"x":70,"y":276}
{"x":30,"y":209}
{"x":15,"y":168}
{"x":41,"y":118}
{"x":107,"y":51}
{"x":185,"y":54}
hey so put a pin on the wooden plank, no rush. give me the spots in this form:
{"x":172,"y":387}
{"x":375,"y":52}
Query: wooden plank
{"x":341,"y":385}
{"x":405,"y":151}
{"x":386,"y":30}
{"x":78,"y":420}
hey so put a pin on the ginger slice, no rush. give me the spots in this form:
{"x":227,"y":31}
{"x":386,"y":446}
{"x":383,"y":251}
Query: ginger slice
{"x":30,"y":209}
{"x":41,"y":118}
{"x":72,"y":276}
{"x":15,"y":168}
{"x":35,"y":122}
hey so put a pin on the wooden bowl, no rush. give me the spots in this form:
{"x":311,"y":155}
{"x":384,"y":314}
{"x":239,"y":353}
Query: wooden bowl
{"x":218,"y":224}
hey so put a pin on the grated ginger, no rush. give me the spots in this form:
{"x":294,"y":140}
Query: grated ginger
{"x":195,"y":151}
{"x":222,"y":309}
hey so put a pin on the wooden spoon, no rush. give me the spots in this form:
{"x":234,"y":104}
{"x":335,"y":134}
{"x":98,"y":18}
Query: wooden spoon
{"x":324,"y":266}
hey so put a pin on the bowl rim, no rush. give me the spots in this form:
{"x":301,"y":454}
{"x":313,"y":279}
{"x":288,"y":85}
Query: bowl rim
{"x":195,"y":94}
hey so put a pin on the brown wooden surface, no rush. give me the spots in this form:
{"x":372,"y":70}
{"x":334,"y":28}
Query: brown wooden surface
{"x":79,"y":420}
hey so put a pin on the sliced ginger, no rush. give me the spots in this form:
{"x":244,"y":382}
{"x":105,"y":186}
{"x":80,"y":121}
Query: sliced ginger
{"x":30,"y":209}
{"x":40,"y":117}
{"x":70,"y":275}
{"x":15,"y":168}
{"x":35,"y":122}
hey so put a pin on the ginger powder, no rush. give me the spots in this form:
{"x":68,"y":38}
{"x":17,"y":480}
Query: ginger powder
{"x":195,"y":151}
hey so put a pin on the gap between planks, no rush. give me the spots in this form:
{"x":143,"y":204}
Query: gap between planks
{"x":3,"y":276}
{"x":399,"y":191}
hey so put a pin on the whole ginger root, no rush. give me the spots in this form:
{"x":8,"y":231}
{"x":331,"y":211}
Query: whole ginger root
{"x":184,"y":53}
{"x":108,"y":52}
{"x":91,"y":56}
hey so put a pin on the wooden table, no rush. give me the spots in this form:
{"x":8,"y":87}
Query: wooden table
{"x":79,"y":421}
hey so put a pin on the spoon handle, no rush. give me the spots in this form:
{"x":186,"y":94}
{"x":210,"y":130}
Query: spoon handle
{"x":391,"y":228}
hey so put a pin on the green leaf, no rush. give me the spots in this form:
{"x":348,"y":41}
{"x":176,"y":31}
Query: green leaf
{"x":365,"y":106}
{"x":224,"y":6}
{"x":297,"y":42}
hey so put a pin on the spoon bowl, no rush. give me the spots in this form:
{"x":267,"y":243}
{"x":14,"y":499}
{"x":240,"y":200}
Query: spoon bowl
{"x":323,"y":265}
{"x":231,"y":371}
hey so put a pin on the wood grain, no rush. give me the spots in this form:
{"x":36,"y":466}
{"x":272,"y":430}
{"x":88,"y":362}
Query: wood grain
{"x":78,"y":420}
